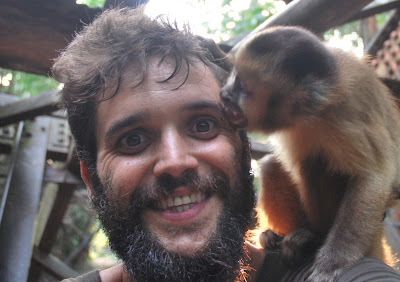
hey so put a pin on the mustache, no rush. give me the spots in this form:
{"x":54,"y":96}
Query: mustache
{"x":165,"y":185}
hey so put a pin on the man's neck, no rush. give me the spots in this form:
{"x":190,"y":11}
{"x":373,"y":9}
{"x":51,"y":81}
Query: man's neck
{"x":115,"y":274}
{"x":254,"y":259}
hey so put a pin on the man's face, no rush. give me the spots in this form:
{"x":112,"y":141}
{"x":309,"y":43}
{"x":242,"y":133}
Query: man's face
{"x":167,"y":155}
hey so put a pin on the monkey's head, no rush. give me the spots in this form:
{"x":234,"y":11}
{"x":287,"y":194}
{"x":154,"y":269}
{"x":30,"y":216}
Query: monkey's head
{"x":280,"y":76}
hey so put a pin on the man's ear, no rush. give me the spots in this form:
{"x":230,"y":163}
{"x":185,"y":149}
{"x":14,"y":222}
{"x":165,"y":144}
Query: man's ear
{"x":86,"y":178}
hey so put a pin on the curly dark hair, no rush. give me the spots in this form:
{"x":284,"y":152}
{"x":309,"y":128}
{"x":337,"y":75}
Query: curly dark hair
{"x":94,"y":62}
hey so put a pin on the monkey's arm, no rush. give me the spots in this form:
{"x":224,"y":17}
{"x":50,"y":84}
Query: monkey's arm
{"x":356,"y":226}
{"x":278,"y":198}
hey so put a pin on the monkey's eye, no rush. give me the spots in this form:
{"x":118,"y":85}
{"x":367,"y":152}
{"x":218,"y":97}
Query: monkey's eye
{"x":241,"y":87}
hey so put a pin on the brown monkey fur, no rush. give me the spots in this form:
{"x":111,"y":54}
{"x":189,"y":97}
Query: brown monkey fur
{"x":336,"y":168}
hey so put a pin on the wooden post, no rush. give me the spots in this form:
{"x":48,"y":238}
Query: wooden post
{"x":17,"y":226}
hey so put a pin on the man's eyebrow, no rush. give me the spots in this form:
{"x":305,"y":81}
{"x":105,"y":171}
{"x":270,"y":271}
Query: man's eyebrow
{"x":126,"y":122}
{"x":201,"y":105}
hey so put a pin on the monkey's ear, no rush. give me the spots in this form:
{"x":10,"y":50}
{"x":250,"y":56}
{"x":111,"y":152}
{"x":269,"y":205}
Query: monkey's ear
{"x":86,"y":178}
{"x":218,"y":57}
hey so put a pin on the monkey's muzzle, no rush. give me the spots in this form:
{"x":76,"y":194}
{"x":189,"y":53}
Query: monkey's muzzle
{"x":234,"y":113}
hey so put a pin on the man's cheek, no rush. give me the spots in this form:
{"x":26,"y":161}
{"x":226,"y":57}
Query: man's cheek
{"x":123,"y":179}
{"x":221,"y":153}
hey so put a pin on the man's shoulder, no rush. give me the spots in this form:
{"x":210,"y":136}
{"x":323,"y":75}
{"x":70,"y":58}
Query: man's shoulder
{"x":367,"y":269}
{"x":93,"y":276}
{"x":370,"y":269}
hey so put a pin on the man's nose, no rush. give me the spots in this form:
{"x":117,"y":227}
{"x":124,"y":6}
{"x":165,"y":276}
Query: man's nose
{"x":175,"y":155}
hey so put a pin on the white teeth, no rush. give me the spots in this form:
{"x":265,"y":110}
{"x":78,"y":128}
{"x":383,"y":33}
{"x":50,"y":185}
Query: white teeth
{"x":179,"y":204}
{"x":177,"y":201}
{"x":185,"y":200}
{"x":170,"y":202}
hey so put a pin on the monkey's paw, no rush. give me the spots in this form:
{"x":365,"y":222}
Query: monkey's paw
{"x":299,"y":246}
{"x":270,"y":240}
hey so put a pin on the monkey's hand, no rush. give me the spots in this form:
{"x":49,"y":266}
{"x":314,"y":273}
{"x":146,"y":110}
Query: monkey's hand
{"x":299,"y":246}
{"x":270,"y":240}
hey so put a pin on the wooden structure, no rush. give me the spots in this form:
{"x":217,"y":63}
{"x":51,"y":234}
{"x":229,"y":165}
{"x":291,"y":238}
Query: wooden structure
{"x":31,"y":34}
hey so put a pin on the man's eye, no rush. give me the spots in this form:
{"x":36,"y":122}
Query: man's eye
{"x":203,"y":126}
{"x":132,"y":143}
{"x":204,"y":129}
{"x":132,"y":140}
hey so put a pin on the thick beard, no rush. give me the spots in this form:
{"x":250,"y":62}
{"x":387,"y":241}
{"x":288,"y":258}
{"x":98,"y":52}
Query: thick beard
{"x":144,"y":256}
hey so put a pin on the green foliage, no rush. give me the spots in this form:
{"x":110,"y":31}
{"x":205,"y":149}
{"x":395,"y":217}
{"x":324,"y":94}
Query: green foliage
{"x":92,"y":3}
{"x":382,"y":18}
{"x":238,"y":22}
{"x":26,"y":84}
{"x":259,"y":137}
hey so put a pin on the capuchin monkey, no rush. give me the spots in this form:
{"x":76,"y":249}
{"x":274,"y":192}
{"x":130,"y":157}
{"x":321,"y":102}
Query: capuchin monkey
{"x":335,"y":170}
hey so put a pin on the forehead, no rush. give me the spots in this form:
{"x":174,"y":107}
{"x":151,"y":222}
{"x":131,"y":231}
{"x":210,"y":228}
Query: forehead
{"x":199,"y":84}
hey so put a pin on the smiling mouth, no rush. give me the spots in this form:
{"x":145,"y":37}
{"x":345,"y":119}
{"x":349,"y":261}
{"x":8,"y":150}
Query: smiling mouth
{"x":181,"y":203}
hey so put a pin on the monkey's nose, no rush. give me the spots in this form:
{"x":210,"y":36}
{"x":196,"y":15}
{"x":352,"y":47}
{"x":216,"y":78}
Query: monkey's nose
{"x":233,"y":112}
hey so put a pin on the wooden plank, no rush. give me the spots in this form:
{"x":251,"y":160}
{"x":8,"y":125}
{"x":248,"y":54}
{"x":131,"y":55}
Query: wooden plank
{"x":61,"y":203}
{"x":55,"y":216}
{"x":315,"y":15}
{"x":123,"y":3}
{"x":33,"y":32}
{"x":374,"y":8}
{"x":29,"y":108}
{"x":377,"y":41}
{"x":53,"y":265}
{"x":61,"y":176}
{"x":394,"y":86}
{"x":46,"y":203}
{"x":259,"y":150}
{"x":7,"y":98}
{"x":17,"y":225}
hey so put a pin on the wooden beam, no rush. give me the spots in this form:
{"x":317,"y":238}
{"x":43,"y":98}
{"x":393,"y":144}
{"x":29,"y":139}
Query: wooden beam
{"x":61,"y":176}
{"x":315,"y":15}
{"x":53,"y":265}
{"x":377,"y":41}
{"x":393,"y":85}
{"x":54,"y":221}
{"x":33,"y":32}
{"x":61,"y":203}
{"x":375,"y":8}
{"x":17,"y":224}
{"x":53,"y":224}
{"x":123,"y":3}
{"x":259,"y":150}
{"x":29,"y":108}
